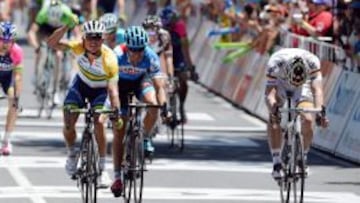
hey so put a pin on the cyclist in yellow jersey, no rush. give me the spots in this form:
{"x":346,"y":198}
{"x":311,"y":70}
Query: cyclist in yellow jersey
{"x":97,"y":77}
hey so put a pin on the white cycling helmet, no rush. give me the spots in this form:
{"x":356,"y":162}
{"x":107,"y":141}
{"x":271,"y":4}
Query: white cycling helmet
{"x":93,"y":27}
{"x":297,"y":72}
{"x":110,"y":22}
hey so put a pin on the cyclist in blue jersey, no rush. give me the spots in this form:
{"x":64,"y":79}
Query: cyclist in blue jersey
{"x":114,"y":34}
{"x":139,"y":72}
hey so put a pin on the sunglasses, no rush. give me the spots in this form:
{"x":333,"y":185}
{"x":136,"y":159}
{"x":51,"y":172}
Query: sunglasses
{"x":95,"y":37}
{"x":136,"y":49}
{"x":151,"y":32}
{"x":5,"y":40}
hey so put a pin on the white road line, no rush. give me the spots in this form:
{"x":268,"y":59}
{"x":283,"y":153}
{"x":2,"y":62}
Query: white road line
{"x":157,"y":164}
{"x":166,"y":193}
{"x":57,"y":113}
{"x":22,"y":181}
{"x":252,"y":119}
{"x":213,"y":128}
{"x":190,"y":139}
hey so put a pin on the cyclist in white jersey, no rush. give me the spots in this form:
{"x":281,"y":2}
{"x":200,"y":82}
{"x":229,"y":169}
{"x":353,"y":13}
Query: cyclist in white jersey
{"x":297,"y":71}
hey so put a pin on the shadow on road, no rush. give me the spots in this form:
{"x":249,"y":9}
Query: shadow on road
{"x":219,"y":152}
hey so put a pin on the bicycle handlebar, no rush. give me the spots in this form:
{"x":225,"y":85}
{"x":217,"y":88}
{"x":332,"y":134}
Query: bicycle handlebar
{"x":144,"y":105}
{"x":99,"y":111}
{"x":322,"y":110}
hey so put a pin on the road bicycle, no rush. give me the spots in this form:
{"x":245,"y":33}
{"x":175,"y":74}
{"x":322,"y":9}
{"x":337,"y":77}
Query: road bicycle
{"x":175,"y":128}
{"x":292,"y":154}
{"x":43,"y":83}
{"x":87,"y":158}
{"x":134,"y":153}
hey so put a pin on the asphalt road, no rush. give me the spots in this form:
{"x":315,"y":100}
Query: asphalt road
{"x":226,"y":159}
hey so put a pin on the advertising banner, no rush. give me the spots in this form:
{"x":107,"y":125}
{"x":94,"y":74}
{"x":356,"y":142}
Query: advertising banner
{"x":257,"y":86}
{"x":338,"y":110}
{"x":237,"y":71}
{"x":330,"y":73}
{"x":349,"y":146}
{"x":246,"y":79}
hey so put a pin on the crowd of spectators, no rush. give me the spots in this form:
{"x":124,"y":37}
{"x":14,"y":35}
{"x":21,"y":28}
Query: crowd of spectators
{"x":262,"y":22}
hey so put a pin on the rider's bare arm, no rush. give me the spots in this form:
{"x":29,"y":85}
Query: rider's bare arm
{"x":114,"y":94}
{"x":54,"y":41}
{"x":317,"y":90}
{"x":168,"y":53}
{"x":32,"y":38}
{"x":160,"y":91}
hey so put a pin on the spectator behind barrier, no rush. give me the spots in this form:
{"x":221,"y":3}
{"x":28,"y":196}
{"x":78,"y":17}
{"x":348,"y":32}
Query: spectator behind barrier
{"x":317,"y":23}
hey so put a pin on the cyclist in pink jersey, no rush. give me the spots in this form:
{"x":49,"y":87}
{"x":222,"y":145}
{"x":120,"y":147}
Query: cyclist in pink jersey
{"x":11,"y":58}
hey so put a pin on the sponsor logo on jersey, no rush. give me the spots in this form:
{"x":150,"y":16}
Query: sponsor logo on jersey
{"x":131,"y":70}
{"x":95,"y":69}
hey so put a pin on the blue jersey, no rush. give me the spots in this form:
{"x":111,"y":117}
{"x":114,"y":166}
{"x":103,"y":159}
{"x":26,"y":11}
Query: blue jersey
{"x":150,"y":64}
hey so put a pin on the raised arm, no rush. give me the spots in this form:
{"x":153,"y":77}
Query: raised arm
{"x":54,"y":41}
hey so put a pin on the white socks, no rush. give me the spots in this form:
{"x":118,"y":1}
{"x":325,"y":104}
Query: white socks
{"x":276,"y":156}
{"x":102,"y":161}
{"x":6,"y":137}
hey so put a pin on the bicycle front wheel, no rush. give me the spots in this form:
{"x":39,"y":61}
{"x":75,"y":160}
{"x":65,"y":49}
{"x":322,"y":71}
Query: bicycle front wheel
{"x":139,"y":161}
{"x":294,"y":180}
{"x":299,"y":170}
{"x":91,"y":171}
{"x":134,"y":176}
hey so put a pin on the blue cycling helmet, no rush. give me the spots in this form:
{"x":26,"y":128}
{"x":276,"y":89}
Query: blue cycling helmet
{"x":7,"y":31}
{"x":120,"y":36}
{"x":136,"y":37}
{"x":167,"y":15}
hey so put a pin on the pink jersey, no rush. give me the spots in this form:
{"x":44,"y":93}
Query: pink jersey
{"x":12,"y":59}
{"x":16,"y":55}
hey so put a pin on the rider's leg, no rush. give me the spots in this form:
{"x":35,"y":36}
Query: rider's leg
{"x":99,"y":128}
{"x":151,"y":116}
{"x":150,"y":120}
{"x":10,"y":123}
{"x":183,"y":91}
{"x":307,"y":121}
{"x":37,"y":68}
{"x":73,"y":99}
{"x":69,"y":132}
{"x":118,"y":148}
{"x":274,"y":131}
{"x":57,"y":72}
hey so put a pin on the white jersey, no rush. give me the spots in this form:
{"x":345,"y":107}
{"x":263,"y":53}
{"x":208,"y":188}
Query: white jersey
{"x":276,"y":72}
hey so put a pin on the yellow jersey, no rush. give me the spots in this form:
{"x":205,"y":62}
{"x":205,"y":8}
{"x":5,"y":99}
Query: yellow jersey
{"x":102,"y":70}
